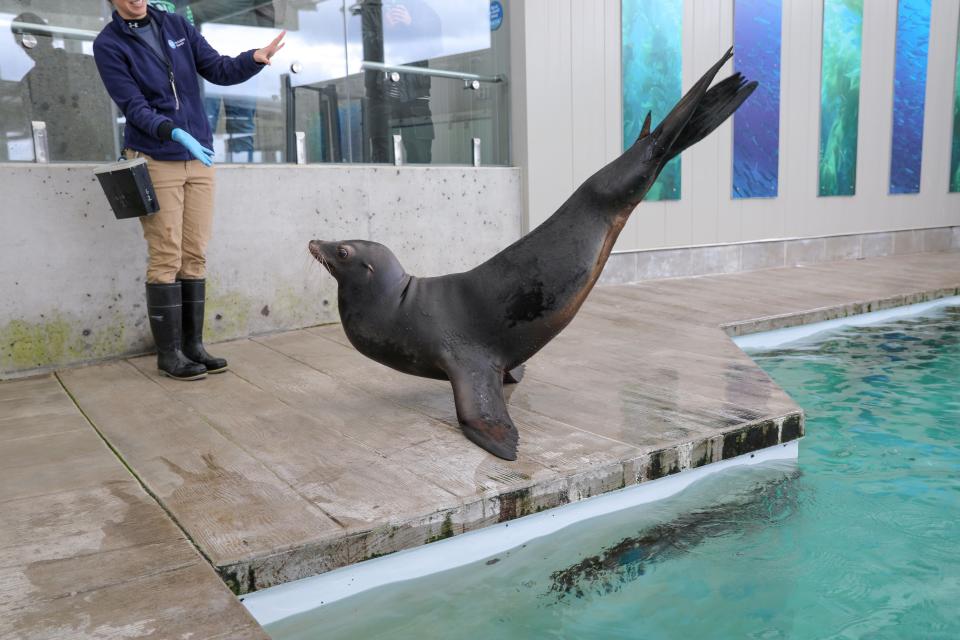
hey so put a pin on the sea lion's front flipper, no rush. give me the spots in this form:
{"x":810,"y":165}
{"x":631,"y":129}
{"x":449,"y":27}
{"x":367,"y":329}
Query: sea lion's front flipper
{"x":481,"y":409}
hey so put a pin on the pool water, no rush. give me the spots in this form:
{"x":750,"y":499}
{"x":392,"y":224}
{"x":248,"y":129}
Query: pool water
{"x":859,"y":539}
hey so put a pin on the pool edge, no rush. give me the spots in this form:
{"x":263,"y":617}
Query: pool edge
{"x":282,"y":601}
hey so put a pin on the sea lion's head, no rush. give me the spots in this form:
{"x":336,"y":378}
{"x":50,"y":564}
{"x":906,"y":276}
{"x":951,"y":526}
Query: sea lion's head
{"x":361,"y":267}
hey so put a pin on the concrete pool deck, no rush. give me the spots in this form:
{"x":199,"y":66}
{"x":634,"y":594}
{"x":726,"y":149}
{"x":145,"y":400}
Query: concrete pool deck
{"x":84,"y":551}
{"x":306,"y":456}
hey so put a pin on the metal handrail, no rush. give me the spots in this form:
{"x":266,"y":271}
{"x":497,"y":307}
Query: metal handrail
{"x":30,"y":27}
{"x":86,"y":34}
{"x":427,"y":71}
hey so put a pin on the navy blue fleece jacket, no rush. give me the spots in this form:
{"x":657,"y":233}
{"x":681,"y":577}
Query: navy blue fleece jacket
{"x":159,"y":94}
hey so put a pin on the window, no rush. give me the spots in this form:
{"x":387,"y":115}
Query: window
{"x":353,"y":76}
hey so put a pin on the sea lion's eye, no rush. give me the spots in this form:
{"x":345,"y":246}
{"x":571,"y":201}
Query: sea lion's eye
{"x":342,"y":253}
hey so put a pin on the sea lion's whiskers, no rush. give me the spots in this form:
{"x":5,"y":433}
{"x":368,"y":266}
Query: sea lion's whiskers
{"x":308,"y":266}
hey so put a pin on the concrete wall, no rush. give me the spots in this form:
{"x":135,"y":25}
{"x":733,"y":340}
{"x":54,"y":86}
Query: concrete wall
{"x":567,"y":124}
{"x":71,"y":276}
{"x":651,"y":264}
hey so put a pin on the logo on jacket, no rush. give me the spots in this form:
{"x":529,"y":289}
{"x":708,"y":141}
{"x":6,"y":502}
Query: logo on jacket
{"x":176,"y":45}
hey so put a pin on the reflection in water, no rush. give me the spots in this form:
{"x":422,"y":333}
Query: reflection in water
{"x":625,"y":561}
{"x":520,"y":593}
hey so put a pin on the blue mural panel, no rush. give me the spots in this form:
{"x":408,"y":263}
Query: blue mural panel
{"x":756,"y":124}
{"x":909,"y":90}
{"x":651,"y":57}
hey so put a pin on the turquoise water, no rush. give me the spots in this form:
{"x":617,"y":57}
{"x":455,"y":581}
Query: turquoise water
{"x":861,"y":539}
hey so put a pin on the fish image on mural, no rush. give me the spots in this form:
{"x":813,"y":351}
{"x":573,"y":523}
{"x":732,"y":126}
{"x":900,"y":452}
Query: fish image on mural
{"x":477,"y":328}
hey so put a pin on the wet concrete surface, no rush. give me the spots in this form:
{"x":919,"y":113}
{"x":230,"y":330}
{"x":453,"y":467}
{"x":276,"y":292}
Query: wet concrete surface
{"x":306,"y":456}
{"x":85,"y":552}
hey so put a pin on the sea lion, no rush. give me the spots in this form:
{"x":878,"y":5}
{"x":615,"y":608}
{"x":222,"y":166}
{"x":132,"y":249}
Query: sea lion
{"x":478,"y":327}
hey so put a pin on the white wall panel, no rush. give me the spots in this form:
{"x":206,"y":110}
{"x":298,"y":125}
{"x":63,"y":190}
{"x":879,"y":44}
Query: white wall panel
{"x":570,"y":124}
{"x":549,"y":114}
{"x":587,"y":78}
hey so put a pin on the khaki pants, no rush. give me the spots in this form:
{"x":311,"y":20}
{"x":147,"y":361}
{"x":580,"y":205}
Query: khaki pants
{"x":177,"y":234}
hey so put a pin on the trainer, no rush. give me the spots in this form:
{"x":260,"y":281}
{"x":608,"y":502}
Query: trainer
{"x":149,"y":61}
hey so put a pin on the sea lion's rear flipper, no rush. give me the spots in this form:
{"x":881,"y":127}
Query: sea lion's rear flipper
{"x":626,"y":180}
{"x":481,"y":409}
{"x":511,"y":379}
{"x":717,"y":105}
{"x":515,"y":375}
{"x":669,"y":132}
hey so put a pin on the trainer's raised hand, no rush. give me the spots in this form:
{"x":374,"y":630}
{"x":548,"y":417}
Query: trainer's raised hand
{"x":264,"y":55}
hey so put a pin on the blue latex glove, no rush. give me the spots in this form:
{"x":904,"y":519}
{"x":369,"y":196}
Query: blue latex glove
{"x":196,"y":149}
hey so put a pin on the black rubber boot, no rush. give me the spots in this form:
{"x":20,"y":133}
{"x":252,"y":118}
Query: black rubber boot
{"x":194,"y":297}
{"x":164,"y":308}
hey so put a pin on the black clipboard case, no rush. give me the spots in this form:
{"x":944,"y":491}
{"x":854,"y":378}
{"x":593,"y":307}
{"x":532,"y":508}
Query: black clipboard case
{"x":128,"y":188}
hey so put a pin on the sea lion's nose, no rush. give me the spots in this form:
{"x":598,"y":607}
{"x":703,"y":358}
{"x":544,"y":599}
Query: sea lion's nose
{"x":316,"y":248}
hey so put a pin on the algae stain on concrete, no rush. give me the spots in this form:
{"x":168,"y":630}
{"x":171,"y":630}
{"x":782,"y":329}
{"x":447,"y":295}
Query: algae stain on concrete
{"x":28,"y":345}
{"x":57,"y":341}
{"x":227,"y":314}
{"x":446,"y":531}
{"x":297,"y":307}
{"x":232,"y":314}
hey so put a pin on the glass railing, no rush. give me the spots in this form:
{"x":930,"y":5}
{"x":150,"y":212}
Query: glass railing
{"x":373,"y":81}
